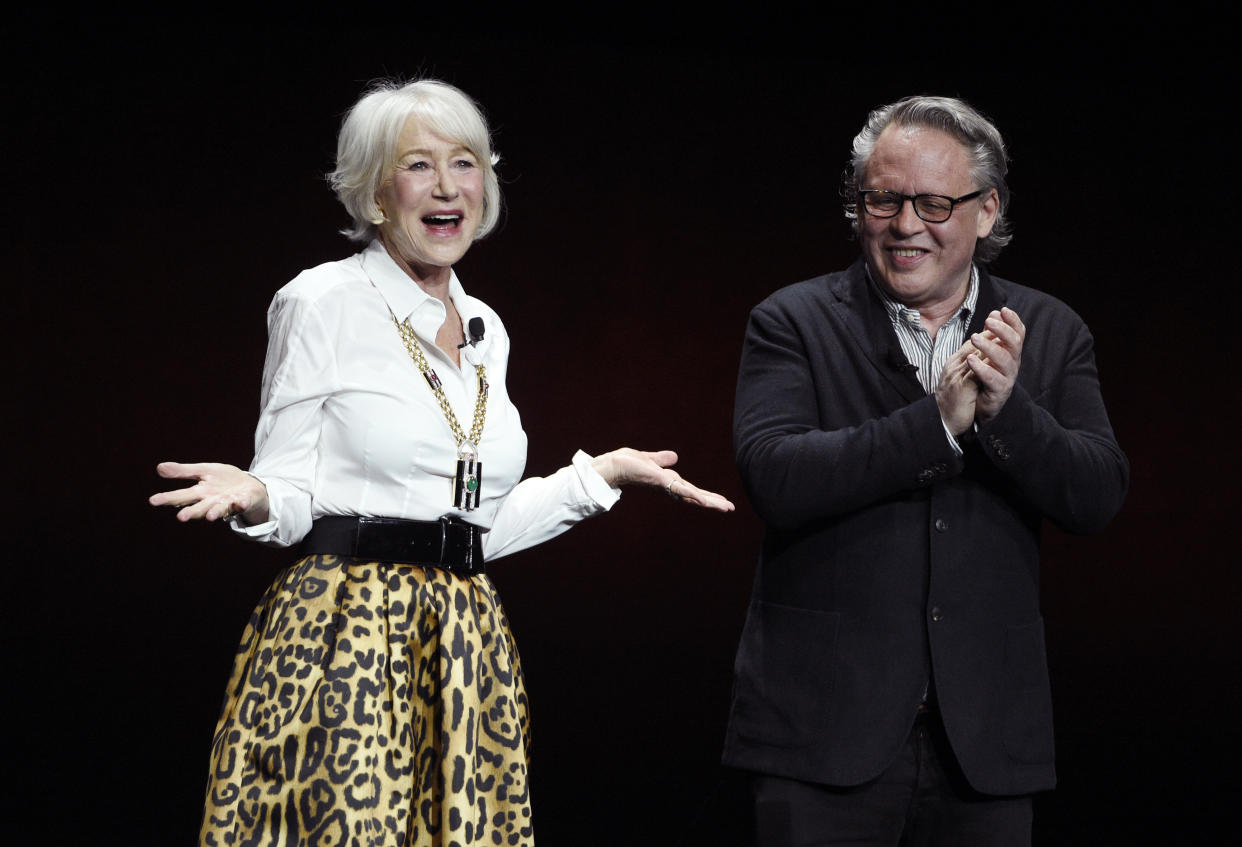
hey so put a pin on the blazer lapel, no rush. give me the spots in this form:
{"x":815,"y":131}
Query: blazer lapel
{"x":990,"y":299}
{"x":872,"y":329}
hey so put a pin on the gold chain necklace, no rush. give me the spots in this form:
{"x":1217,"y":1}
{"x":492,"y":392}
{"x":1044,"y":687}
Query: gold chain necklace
{"x":469,"y":477}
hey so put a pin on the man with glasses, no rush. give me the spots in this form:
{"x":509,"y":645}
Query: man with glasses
{"x":903,"y":428}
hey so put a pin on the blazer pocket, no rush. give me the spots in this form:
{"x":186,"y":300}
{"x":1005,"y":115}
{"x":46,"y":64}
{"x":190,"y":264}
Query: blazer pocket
{"x":1028,"y":735}
{"x":785,"y":671}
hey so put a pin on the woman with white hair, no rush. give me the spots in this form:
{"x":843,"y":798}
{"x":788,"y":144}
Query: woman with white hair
{"x":376,"y":697}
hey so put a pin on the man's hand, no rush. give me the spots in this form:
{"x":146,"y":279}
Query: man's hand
{"x":957,"y":390}
{"x":995,"y":364}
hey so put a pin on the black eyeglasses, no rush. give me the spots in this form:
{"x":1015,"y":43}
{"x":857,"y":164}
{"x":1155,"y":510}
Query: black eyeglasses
{"x":933,"y":208}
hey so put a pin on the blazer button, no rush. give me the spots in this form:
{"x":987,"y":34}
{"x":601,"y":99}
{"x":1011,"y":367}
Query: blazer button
{"x":999,"y":447}
{"x":941,"y":525}
{"x":936,"y":614}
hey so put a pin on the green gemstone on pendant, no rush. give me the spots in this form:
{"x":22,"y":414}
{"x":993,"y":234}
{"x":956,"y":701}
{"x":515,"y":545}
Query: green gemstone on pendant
{"x":472,"y":483}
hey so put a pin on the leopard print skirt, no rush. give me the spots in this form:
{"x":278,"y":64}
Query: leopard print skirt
{"x":372,"y":704}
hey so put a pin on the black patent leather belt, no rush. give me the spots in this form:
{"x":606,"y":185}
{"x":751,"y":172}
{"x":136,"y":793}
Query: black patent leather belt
{"x":447,"y":543}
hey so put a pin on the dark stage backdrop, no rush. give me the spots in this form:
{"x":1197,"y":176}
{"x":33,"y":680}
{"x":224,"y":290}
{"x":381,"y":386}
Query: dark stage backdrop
{"x":164,"y":182}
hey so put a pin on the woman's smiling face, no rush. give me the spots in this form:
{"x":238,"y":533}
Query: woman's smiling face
{"x":432,"y":202}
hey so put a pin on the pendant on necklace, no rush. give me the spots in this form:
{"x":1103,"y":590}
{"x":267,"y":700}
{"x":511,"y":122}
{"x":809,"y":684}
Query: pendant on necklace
{"x":468,"y":479}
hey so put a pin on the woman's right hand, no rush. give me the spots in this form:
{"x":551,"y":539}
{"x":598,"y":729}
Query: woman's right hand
{"x":221,"y":491}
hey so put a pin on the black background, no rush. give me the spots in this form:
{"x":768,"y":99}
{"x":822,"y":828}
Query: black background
{"x":662,"y":174}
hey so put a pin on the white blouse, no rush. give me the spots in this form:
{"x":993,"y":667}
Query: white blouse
{"x":349,"y":426}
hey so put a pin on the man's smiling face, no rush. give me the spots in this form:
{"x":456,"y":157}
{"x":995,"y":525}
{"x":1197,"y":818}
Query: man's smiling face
{"x":921,"y":264}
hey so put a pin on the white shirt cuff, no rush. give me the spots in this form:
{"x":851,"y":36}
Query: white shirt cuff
{"x":957,"y":448}
{"x":596,"y":487}
{"x":259,"y":532}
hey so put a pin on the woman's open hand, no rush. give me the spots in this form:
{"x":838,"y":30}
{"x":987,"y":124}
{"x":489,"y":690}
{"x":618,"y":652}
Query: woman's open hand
{"x":626,"y":466}
{"x":220,"y":491}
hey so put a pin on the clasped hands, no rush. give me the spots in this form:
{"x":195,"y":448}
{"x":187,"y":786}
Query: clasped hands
{"x":978,"y":379}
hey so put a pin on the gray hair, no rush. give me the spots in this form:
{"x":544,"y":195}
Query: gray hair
{"x":959,"y":119}
{"x":366,"y":147}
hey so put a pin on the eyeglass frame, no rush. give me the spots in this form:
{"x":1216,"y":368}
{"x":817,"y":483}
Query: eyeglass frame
{"x":953,"y":202}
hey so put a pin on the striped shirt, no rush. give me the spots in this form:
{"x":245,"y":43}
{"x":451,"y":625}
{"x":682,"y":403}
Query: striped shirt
{"x":921,"y":350}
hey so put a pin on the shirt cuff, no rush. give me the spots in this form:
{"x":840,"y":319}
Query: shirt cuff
{"x":275,"y":531}
{"x":596,"y":487}
{"x":258,"y":532}
{"x":957,"y":448}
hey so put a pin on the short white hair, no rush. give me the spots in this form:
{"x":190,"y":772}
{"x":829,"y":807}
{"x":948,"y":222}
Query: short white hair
{"x":366,"y":149}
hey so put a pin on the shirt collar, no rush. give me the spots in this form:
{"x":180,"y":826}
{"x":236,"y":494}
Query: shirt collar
{"x":408,"y":301}
{"x":901,"y":313}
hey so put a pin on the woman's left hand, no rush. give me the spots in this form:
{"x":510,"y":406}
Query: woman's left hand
{"x":625,"y":466}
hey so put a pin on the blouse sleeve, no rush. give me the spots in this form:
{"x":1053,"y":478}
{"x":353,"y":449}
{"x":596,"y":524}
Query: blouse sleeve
{"x":540,"y":508}
{"x":300,"y":373}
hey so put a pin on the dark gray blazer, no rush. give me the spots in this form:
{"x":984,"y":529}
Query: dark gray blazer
{"x":888,"y":560}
